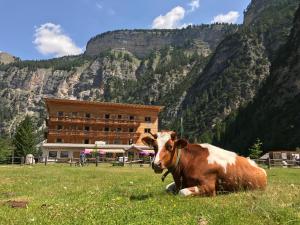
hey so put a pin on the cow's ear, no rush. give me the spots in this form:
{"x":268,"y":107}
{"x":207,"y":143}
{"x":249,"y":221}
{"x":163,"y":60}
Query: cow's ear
{"x":148,"y":141}
{"x":173,"y":136}
{"x":181,"y":143}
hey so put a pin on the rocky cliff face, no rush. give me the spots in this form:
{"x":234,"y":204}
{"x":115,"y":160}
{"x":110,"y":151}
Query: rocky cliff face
{"x":272,"y":20}
{"x":6,"y":58}
{"x":230,"y":80}
{"x":142,"y":42}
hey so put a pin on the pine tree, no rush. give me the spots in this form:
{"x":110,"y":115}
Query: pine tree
{"x":256,"y":149}
{"x":25,"y":138}
{"x":5,"y":148}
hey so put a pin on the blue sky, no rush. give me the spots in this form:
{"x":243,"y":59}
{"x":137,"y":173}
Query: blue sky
{"x":39,"y":29}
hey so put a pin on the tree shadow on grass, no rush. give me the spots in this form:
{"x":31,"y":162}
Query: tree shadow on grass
{"x":140,"y":197}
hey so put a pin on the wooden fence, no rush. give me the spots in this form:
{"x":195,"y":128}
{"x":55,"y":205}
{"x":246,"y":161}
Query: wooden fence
{"x":17,"y":160}
{"x":278,"y":163}
{"x":98,"y":160}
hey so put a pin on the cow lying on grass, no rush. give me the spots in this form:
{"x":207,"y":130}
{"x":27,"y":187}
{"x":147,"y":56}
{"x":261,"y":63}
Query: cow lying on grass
{"x":203,"y":169}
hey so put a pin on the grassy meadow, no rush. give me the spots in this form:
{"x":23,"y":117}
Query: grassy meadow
{"x":59,"y":194}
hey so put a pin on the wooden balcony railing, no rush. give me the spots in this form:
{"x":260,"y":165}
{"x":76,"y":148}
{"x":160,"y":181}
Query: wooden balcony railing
{"x":80,"y":120}
{"x":94,"y":133}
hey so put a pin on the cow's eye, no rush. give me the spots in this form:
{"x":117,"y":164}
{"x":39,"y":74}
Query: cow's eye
{"x":169,"y":147}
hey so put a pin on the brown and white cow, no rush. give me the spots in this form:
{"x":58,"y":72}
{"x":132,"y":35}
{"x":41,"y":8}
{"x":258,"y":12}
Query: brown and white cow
{"x":203,"y":169}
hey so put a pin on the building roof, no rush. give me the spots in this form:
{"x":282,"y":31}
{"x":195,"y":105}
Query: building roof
{"x":96,"y":103}
{"x":292,"y":151}
{"x":265,"y":156}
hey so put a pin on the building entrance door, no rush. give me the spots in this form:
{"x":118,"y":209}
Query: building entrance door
{"x":76,"y":154}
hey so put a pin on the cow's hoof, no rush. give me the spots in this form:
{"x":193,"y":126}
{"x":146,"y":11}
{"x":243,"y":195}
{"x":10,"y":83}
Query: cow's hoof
{"x":185,"y":192}
{"x":171,"y":188}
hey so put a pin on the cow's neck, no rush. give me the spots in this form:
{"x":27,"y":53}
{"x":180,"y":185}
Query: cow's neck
{"x":178,"y":172}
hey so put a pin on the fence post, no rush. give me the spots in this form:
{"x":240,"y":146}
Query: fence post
{"x":13,"y":157}
{"x":97,"y":160}
{"x":46,"y":160}
{"x":71,"y":161}
{"x":22,"y":160}
{"x":269,"y":163}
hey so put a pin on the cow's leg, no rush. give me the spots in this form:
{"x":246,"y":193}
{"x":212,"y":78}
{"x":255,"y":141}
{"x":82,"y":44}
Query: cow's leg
{"x":202,"y":190}
{"x":171,"y":188}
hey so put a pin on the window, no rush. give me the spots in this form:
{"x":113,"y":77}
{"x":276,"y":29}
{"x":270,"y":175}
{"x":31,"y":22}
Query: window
{"x":86,"y":141}
{"x":130,"y":142}
{"x":106,"y":129}
{"x":106,"y":116}
{"x":117,"y":142}
{"x":59,"y":127}
{"x":74,"y":114}
{"x":131,"y":117}
{"x":52,"y":154}
{"x":87,"y":115}
{"x":119,"y":129}
{"x":147,"y":130}
{"x":119,"y":117}
{"x":60,"y":113}
{"x":86,"y":128}
{"x":131,"y":130}
{"x":59,"y":140}
{"x":64,"y":154}
{"x":148,"y":119}
{"x":73,"y":127}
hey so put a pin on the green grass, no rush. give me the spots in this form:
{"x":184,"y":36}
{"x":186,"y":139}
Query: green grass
{"x":59,"y":194}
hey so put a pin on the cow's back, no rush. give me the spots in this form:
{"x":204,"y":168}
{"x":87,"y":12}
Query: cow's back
{"x":234,"y":172}
{"x":247,"y":174}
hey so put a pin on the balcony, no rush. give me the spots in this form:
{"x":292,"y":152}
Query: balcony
{"x":81,"y":120}
{"x":94,"y":134}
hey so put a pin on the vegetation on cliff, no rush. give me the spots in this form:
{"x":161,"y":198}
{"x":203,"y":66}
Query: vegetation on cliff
{"x":273,"y":116}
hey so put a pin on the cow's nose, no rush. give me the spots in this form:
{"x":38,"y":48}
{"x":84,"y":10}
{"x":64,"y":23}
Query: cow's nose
{"x":156,"y":165}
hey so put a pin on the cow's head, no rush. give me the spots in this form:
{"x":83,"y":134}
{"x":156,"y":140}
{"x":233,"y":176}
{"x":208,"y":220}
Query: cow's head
{"x":163,"y":144}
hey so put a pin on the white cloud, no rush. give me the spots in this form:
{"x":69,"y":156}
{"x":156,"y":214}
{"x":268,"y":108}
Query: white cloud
{"x":194,"y":4}
{"x":170,"y":20}
{"x":230,"y":17}
{"x":51,"y":40}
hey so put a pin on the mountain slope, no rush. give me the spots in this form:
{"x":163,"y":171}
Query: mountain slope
{"x":231,"y":79}
{"x":237,"y":69}
{"x":272,"y":21}
{"x":274,"y":114}
{"x":116,"y":75}
{"x":6,"y":58}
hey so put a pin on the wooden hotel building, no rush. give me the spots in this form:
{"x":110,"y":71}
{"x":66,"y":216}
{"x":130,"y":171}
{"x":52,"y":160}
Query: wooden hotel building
{"x":73,"y":125}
